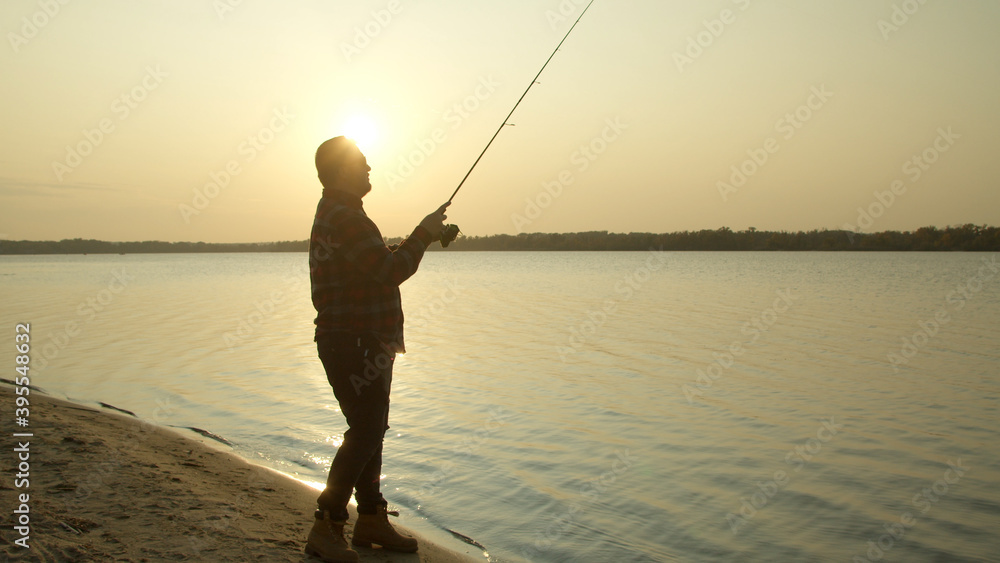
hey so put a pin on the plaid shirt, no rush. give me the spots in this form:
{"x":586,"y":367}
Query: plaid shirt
{"x":355,"y":276}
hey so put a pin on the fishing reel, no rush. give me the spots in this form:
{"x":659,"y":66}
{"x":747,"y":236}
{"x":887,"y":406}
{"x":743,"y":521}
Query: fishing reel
{"x":448,"y":234}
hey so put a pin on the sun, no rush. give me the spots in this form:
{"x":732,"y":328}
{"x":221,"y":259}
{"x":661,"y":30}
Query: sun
{"x":362,"y":130}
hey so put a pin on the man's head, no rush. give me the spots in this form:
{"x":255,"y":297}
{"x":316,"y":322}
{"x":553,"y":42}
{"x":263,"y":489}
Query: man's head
{"x":341,"y":166}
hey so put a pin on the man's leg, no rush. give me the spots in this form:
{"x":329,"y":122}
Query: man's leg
{"x":360,"y":372}
{"x":368,"y":487}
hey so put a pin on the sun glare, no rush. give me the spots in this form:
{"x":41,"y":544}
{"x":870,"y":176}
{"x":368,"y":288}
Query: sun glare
{"x":362,"y":130}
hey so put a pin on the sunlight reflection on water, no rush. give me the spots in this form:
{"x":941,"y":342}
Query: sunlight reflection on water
{"x":590,"y":410}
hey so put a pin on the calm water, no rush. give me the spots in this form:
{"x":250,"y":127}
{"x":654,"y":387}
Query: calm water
{"x":603,"y":407}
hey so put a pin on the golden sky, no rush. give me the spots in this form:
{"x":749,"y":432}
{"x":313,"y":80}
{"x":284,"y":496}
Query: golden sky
{"x":185,"y":120}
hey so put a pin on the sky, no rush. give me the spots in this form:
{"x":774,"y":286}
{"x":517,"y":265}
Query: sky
{"x":198,"y":120}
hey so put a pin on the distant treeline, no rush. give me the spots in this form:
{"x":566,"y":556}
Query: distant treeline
{"x":962,"y":238}
{"x":90,"y":246}
{"x":966,"y":237}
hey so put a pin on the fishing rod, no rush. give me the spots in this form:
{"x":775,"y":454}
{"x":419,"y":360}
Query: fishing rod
{"x":451,"y":231}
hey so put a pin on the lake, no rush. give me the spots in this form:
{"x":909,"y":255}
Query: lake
{"x":584,"y":406}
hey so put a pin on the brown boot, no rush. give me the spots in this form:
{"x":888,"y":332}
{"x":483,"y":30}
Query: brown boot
{"x":326,"y":540}
{"x":376,"y":529}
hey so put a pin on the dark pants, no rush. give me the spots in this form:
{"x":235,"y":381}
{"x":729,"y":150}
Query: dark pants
{"x":359,"y":369}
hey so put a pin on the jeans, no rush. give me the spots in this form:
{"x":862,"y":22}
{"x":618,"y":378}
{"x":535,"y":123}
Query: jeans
{"x":359,"y":369}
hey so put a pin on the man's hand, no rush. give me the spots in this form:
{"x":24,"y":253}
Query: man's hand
{"x":434,"y":222}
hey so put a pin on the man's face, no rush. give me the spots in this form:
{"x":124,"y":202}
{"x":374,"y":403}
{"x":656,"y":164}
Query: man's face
{"x":354,"y":175}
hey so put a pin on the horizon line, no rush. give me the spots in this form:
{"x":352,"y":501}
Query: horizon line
{"x":723,"y":228}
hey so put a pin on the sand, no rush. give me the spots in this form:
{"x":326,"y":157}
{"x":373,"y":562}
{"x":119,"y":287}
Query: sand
{"x":108,"y":487}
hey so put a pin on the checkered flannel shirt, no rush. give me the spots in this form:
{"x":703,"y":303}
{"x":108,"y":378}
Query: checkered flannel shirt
{"x":355,"y":275}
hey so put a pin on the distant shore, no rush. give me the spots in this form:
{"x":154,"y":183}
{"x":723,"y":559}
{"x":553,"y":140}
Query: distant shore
{"x":108,"y":487}
{"x":969,"y":238}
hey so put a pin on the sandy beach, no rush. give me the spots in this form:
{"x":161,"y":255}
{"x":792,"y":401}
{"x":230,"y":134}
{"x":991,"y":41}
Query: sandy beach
{"x":104,"y":486}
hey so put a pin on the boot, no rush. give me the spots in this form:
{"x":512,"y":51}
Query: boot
{"x":326,"y":540}
{"x":375,"y":528}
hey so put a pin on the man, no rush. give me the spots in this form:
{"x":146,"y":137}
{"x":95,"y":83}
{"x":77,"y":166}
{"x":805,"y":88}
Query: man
{"x":359,"y":330}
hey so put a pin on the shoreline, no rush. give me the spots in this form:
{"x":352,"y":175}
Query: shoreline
{"x":104,"y":486}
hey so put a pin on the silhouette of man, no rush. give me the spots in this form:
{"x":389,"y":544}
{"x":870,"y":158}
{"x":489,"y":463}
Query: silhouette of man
{"x":359,"y":330}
